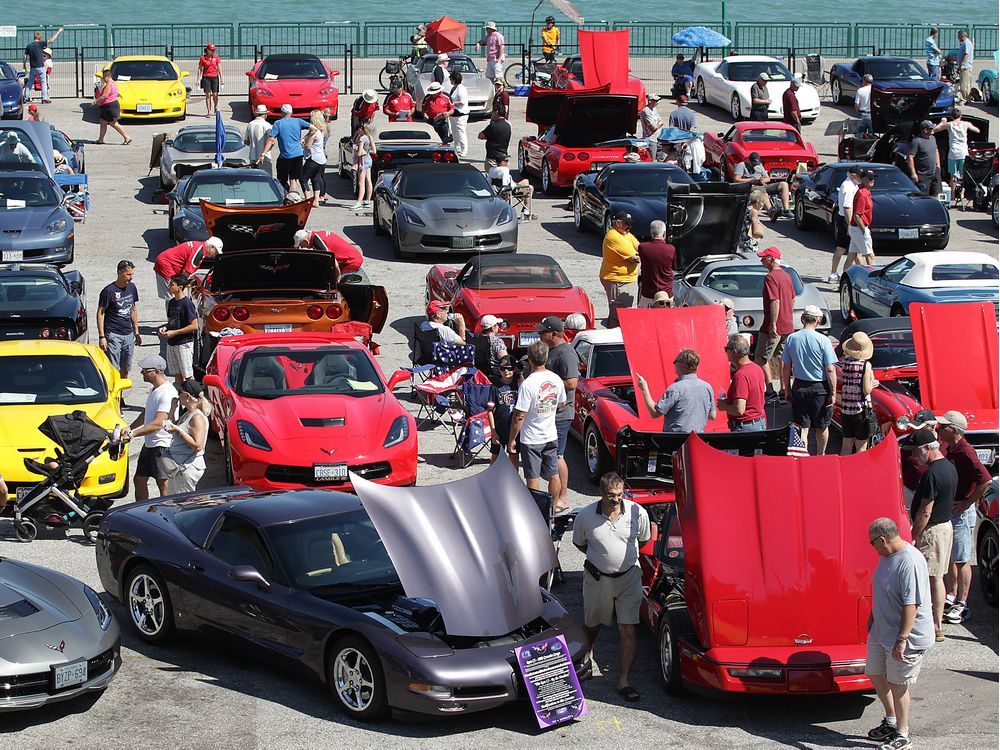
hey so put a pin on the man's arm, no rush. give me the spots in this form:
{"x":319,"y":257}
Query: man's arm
{"x":135,"y":322}
{"x":268,"y":145}
{"x":646,"y":397}
{"x":516,"y":420}
{"x":736,"y":409}
{"x":775,"y":308}
{"x":786,"y":375}
{"x":460,"y":327}
{"x":922,"y":518}
{"x":906,"y":620}
{"x":100,"y":329}
{"x":911,"y":160}
{"x":963,"y":505}
{"x":831,"y":381}
{"x":54,"y":37}
{"x":156,"y":424}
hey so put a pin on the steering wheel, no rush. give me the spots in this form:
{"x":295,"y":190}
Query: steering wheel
{"x":66,"y":384}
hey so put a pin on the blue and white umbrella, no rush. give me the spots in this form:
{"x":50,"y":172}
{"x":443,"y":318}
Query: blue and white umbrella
{"x":220,"y":139}
{"x":700,"y":36}
{"x":676,"y":135}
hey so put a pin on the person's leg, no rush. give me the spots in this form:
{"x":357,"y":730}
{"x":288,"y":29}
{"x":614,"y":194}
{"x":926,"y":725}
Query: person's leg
{"x":937,"y":599}
{"x":369,"y":188}
{"x":610,"y":291}
{"x":785,"y":195}
{"x":141,"y":485}
{"x":626,"y":653}
{"x":847,"y":446}
{"x":161,"y":485}
{"x":215,"y":99}
{"x":881,"y":686}
{"x":901,"y":707}
{"x":554,"y":485}
{"x":964,"y":582}
{"x":44,"y":75}
{"x":822,"y":437}
{"x":120,"y":130}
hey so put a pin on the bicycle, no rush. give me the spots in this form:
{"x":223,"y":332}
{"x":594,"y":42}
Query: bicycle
{"x":539,"y":73}
{"x":393,"y":72}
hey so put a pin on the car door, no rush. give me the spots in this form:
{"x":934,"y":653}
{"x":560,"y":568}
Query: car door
{"x":853,"y":78}
{"x":717,"y":85}
{"x":821,"y":194}
{"x":880,"y":290}
{"x":716,"y":147}
{"x":584,"y":397}
{"x":595,"y":200}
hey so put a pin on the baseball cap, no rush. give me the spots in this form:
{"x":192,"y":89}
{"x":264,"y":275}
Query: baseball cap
{"x":856,"y":171}
{"x":652,"y":98}
{"x":550,"y":324}
{"x":216,"y":243}
{"x":796,"y":80}
{"x":926,"y":125}
{"x":813,"y":311}
{"x":763,"y":76}
{"x":682,"y":99}
{"x":868,"y":174}
{"x":754,"y":157}
{"x":923,"y":436}
{"x":489,"y":321}
{"x":192,"y":387}
{"x":435,"y":306}
{"x":771,"y":252}
{"x":922,"y":418}
{"x":32,"y":107}
{"x":210,"y":45}
{"x":623,"y":216}
{"x":260,"y":109}
{"x":286,"y":109}
{"x":955,"y":419}
{"x":153,"y":362}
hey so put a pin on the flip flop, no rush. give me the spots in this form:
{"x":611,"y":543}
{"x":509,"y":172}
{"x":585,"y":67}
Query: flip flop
{"x":629,"y":693}
{"x":127,"y":142}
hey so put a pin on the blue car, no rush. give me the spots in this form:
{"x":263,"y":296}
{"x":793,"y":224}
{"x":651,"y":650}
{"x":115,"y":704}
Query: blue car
{"x":72,"y":151}
{"x":11,"y":92}
{"x":948,"y":276}
{"x":34,"y":224}
{"x":890,"y":74}
{"x":987,"y":84}
{"x":250,"y":187}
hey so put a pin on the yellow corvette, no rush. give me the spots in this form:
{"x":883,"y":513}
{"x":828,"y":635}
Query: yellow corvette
{"x":149,"y":87}
{"x":39,"y":379}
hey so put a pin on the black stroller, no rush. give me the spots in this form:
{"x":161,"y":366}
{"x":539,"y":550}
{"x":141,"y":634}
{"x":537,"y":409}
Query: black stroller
{"x":53,"y":501}
{"x":558,"y":526}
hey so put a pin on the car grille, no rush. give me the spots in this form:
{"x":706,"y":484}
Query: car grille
{"x":100,"y":664}
{"x":136,"y":112}
{"x":479,"y":692}
{"x":41,"y":682}
{"x":437,"y":240}
{"x":304,"y":475}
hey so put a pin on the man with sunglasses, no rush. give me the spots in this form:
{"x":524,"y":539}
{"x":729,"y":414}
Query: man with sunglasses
{"x":900,"y":629}
{"x":151,"y":427}
{"x":118,"y":318}
{"x":732,"y":324}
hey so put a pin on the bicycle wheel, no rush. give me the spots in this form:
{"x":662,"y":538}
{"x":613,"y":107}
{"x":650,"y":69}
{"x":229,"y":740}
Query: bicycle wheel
{"x":514,"y":75}
{"x":384,"y":77}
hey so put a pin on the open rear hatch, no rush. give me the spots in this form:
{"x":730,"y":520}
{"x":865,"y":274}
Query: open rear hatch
{"x":274,"y":270}
{"x":255,"y":227}
{"x":705,"y":218}
{"x":896,"y":107}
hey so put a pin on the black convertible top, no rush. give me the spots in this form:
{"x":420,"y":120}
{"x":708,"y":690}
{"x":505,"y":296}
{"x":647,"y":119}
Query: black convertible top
{"x":522,"y":259}
{"x":291,"y":56}
{"x":875,"y":325}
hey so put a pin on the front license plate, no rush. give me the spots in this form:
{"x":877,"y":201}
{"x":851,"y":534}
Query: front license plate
{"x":330,"y":472}
{"x":12,"y":256}
{"x":527,"y":338}
{"x":278,"y":328}
{"x":779,"y":173}
{"x":144,"y":108}
{"x":68,"y":675}
{"x":463,"y":242}
{"x":985,"y":456}
{"x":909,"y":234}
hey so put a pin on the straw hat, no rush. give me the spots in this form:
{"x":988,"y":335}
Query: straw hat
{"x":434,"y":88}
{"x":859,"y":346}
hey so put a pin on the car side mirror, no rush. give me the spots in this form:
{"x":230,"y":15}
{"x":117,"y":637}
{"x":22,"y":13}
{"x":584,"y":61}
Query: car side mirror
{"x":184,"y":74}
{"x":532,"y":137}
{"x":720,"y":134}
{"x":76,"y":287}
{"x":249,"y":74}
{"x":400,"y":376}
{"x":249,"y":574}
{"x":170,"y":196}
{"x":212,"y":381}
{"x":21,"y":75}
{"x":334,"y":73}
{"x":124,"y":384}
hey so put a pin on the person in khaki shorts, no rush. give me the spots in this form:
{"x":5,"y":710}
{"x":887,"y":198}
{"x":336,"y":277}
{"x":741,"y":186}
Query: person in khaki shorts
{"x":899,"y":630}
{"x":930,"y":513}
{"x":610,"y":532}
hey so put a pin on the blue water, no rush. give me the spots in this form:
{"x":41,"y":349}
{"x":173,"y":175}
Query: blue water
{"x":28,"y":12}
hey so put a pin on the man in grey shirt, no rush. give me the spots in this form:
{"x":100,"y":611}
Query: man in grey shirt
{"x":688,"y":403}
{"x":925,"y":160}
{"x":900,"y":629}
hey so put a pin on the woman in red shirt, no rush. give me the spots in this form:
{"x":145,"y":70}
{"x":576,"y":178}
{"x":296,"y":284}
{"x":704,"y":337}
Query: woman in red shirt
{"x":210,"y":71}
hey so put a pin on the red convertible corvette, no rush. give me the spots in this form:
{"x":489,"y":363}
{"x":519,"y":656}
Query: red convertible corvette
{"x":780,"y":146}
{"x":304,"y":81}
{"x":578,"y":131}
{"x":520,"y":289}
{"x":304,"y":409}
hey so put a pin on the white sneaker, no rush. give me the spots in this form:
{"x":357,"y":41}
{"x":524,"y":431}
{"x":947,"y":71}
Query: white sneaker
{"x":356,"y":207}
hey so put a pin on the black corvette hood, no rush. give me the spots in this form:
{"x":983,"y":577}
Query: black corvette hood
{"x":706,"y":218}
{"x":894,"y":209}
{"x":476,"y":547}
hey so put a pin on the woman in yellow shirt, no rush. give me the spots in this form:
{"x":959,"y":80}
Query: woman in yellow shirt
{"x":550,"y":39}
{"x":620,"y":266}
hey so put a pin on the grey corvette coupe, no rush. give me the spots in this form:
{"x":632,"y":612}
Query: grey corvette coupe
{"x":442,"y":208}
{"x":58,"y":640}
{"x":420,"y":75}
{"x":405,"y":598}
{"x":193,"y":148}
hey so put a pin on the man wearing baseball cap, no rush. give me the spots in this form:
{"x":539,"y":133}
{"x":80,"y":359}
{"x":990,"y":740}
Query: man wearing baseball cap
{"x":651,"y":122}
{"x":438,"y":316}
{"x":791,"y":113}
{"x":809,"y":378}
{"x":564,"y":362}
{"x":287,"y":133}
{"x":150,"y":427}
{"x":620,"y":266}
{"x":924,"y":160}
{"x":760,"y":97}
{"x":779,"y":302}
{"x":861,"y":249}
{"x":185,"y":258}
{"x":752,"y":170}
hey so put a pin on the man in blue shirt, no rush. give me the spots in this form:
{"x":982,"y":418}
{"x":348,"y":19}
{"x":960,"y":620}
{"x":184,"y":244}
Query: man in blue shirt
{"x":287,"y":133}
{"x":683,"y":117}
{"x":966,"y":53}
{"x":808,"y":357}
{"x":34,"y":63}
{"x":933,"y":53}
{"x":688,"y":403}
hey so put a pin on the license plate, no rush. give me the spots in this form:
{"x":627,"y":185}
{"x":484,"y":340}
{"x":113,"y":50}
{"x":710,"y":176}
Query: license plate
{"x":278,"y":328}
{"x":330,"y":472}
{"x":909,"y":234}
{"x":527,"y":338}
{"x":597,"y":166}
{"x":68,"y":675}
{"x":144,"y":108}
{"x":779,"y":173}
{"x":12,"y":256}
{"x":985,"y":456}
{"x":462,"y":242}
{"x":22,"y":492}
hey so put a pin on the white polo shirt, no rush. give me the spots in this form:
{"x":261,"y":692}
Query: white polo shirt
{"x":612,"y":546}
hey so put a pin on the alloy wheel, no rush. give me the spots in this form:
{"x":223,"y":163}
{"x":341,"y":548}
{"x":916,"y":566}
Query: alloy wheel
{"x":146,"y":604}
{"x":354,"y":681}
{"x":702,"y":99}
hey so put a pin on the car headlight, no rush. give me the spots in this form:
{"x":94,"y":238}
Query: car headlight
{"x":410,"y":217}
{"x":59,"y":225}
{"x":176,"y":92}
{"x":261,"y":91}
{"x":506,"y":215}
{"x":100,"y":609}
{"x":251,"y":436}
{"x":190,"y":224}
{"x":903,"y":422}
{"x":398,"y":432}
{"x":327,"y":90}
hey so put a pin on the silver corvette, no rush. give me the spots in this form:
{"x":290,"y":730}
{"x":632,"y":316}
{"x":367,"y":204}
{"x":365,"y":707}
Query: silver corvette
{"x":193,"y":148}
{"x":58,"y":640}
{"x":420,"y":75}
{"x":712,"y":278}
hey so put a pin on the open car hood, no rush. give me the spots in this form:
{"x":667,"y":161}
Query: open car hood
{"x":705,"y":218}
{"x":476,"y":547}
{"x":255,"y":227}
{"x":902,"y":103}
{"x":274,"y":269}
{"x":957,"y":357}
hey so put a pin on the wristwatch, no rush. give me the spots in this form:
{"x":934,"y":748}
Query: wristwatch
{"x":901,"y":638}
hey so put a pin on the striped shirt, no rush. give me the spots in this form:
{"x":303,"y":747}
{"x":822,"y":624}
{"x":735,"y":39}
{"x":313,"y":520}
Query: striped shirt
{"x":852,"y":377}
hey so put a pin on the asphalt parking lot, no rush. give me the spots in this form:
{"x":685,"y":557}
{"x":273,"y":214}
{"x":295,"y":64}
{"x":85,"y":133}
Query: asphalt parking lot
{"x":207,"y":694}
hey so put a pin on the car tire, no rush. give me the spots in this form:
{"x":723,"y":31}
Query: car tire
{"x":836,"y":91}
{"x":578,"y":221}
{"x":596,"y":458}
{"x":700,"y":92}
{"x":522,"y":161}
{"x":547,"y":187}
{"x":227,"y":458}
{"x":354,"y":674}
{"x":396,"y":246}
{"x":670,"y":656}
{"x":987,"y":91}
{"x":606,"y":224}
{"x":147,"y":601}
{"x":170,"y":222}
{"x":376,"y":224}
{"x":736,"y":108}
{"x":847,"y":311}
{"x":987,"y":549}
{"x":897,"y":311}
{"x":802,"y":220}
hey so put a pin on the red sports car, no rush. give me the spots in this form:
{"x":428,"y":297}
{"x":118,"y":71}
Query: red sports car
{"x":577,"y":132}
{"x":304,"y":81}
{"x":520,"y":289}
{"x":304,"y":409}
{"x":780,"y":146}
{"x":571,"y":75}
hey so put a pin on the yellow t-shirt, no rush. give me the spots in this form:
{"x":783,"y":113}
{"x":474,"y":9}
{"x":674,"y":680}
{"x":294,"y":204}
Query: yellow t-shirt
{"x":621,"y":257}
{"x":550,"y":38}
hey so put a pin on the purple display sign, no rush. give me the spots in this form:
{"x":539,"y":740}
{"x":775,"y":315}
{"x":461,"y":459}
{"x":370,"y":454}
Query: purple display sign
{"x":551,"y":680}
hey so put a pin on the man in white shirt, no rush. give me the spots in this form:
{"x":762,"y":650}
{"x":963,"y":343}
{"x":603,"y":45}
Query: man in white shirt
{"x":459,"y":96}
{"x":863,"y":103}
{"x":12,"y":150}
{"x":651,"y":123}
{"x":845,"y":203}
{"x":522,"y":188}
{"x":966,"y":53}
{"x":150,"y":427}
{"x":539,"y":397}
{"x":256,"y":136}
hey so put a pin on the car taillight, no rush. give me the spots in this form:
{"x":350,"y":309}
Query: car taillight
{"x":240,"y":313}
{"x":45,"y":333}
{"x":386,"y":156}
{"x":436,"y":156}
{"x":221,"y":313}
{"x":62,"y":333}
{"x":569,"y":157}
{"x":314,"y":312}
{"x":450,"y":157}
{"x":334,"y":311}
{"x":583,"y":156}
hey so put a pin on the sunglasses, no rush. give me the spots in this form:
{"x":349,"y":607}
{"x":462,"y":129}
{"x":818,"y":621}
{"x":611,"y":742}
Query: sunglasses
{"x":506,"y":369}
{"x":872,"y":541}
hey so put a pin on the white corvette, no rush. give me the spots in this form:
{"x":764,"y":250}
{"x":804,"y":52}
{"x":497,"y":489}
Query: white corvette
{"x":727,"y":83}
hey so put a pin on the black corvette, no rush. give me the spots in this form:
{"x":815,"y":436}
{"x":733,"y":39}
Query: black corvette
{"x":39,"y":301}
{"x":403,"y":598}
{"x":902,"y":218}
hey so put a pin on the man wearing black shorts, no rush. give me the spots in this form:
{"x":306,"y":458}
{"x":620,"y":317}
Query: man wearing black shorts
{"x":151,"y":427}
{"x":287,"y":133}
{"x":808,"y":357}
{"x":564,"y":362}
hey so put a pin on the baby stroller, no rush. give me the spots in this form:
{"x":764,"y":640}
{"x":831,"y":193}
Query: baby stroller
{"x":980,"y":166}
{"x":53,"y":501}
{"x":558,"y":526}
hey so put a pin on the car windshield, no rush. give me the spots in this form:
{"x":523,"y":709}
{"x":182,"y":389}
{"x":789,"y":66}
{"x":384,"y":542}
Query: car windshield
{"x":893,"y":349}
{"x":196,"y":519}
{"x":772,"y":135}
{"x":461,"y":65}
{"x":203,"y":142}
{"x":965,"y":272}
{"x":407,"y":135}
{"x":896,"y":70}
{"x":634,"y":182}
{"x":63,"y":380}
{"x":60,"y":142}
{"x":143,"y":70}
{"x":524,"y":275}
{"x":609,"y":361}
{"x":744,"y":281}
{"x":18,"y":150}
{"x":441,"y":183}
{"x":20,"y":293}
{"x":26,"y":192}
{"x":339,"y":371}
{"x":332,"y":554}
{"x":749,"y":70}
{"x":887,"y":181}
{"x":7,"y":73}
{"x":277,"y":69}
{"x":218,"y":187}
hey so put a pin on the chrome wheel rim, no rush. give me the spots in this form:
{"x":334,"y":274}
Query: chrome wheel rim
{"x":800,"y":212}
{"x":577,"y":211}
{"x":666,"y":654}
{"x":845,"y":301}
{"x":520,"y":160}
{"x":735,"y":109}
{"x":353,"y":679}
{"x":988,"y":563}
{"x":146,"y":604}
{"x":592,"y":452}
{"x":701,"y":91}
{"x":835,"y":90}
{"x":546,"y":176}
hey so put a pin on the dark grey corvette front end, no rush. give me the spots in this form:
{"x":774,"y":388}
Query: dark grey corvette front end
{"x":405,"y":599}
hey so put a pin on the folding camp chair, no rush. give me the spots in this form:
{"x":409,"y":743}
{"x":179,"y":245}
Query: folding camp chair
{"x":816,"y":75}
{"x":474,"y":432}
{"x":77,"y":200}
{"x":438,"y":395}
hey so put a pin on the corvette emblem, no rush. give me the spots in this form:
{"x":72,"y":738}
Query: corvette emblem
{"x":803,"y":640}
{"x":329,"y":451}
{"x":462,"y":226}
{"x":59,"y":648}
{"x":274,"y":268}
{"x":255,"y":231}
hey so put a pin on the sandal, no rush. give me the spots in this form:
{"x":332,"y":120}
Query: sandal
{"x":127,"y":142}
{"x":629,"y":693}
{"x":98,"y":143}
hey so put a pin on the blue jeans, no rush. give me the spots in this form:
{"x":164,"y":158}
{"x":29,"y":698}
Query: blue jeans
{"x":962,"y":525}
{"x":934,"y":71}
{"x":121,"y":348}
{"x":754,"y":425}
{"x":38,"y":73}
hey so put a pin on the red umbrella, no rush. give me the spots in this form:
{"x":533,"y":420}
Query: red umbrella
{"x":446,"y":34}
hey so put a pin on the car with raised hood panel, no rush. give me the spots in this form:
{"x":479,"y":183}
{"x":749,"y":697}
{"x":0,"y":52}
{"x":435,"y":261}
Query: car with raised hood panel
{"x":228,"y":187}
{"x":303,"y":81}
{"x":404,"y":599}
